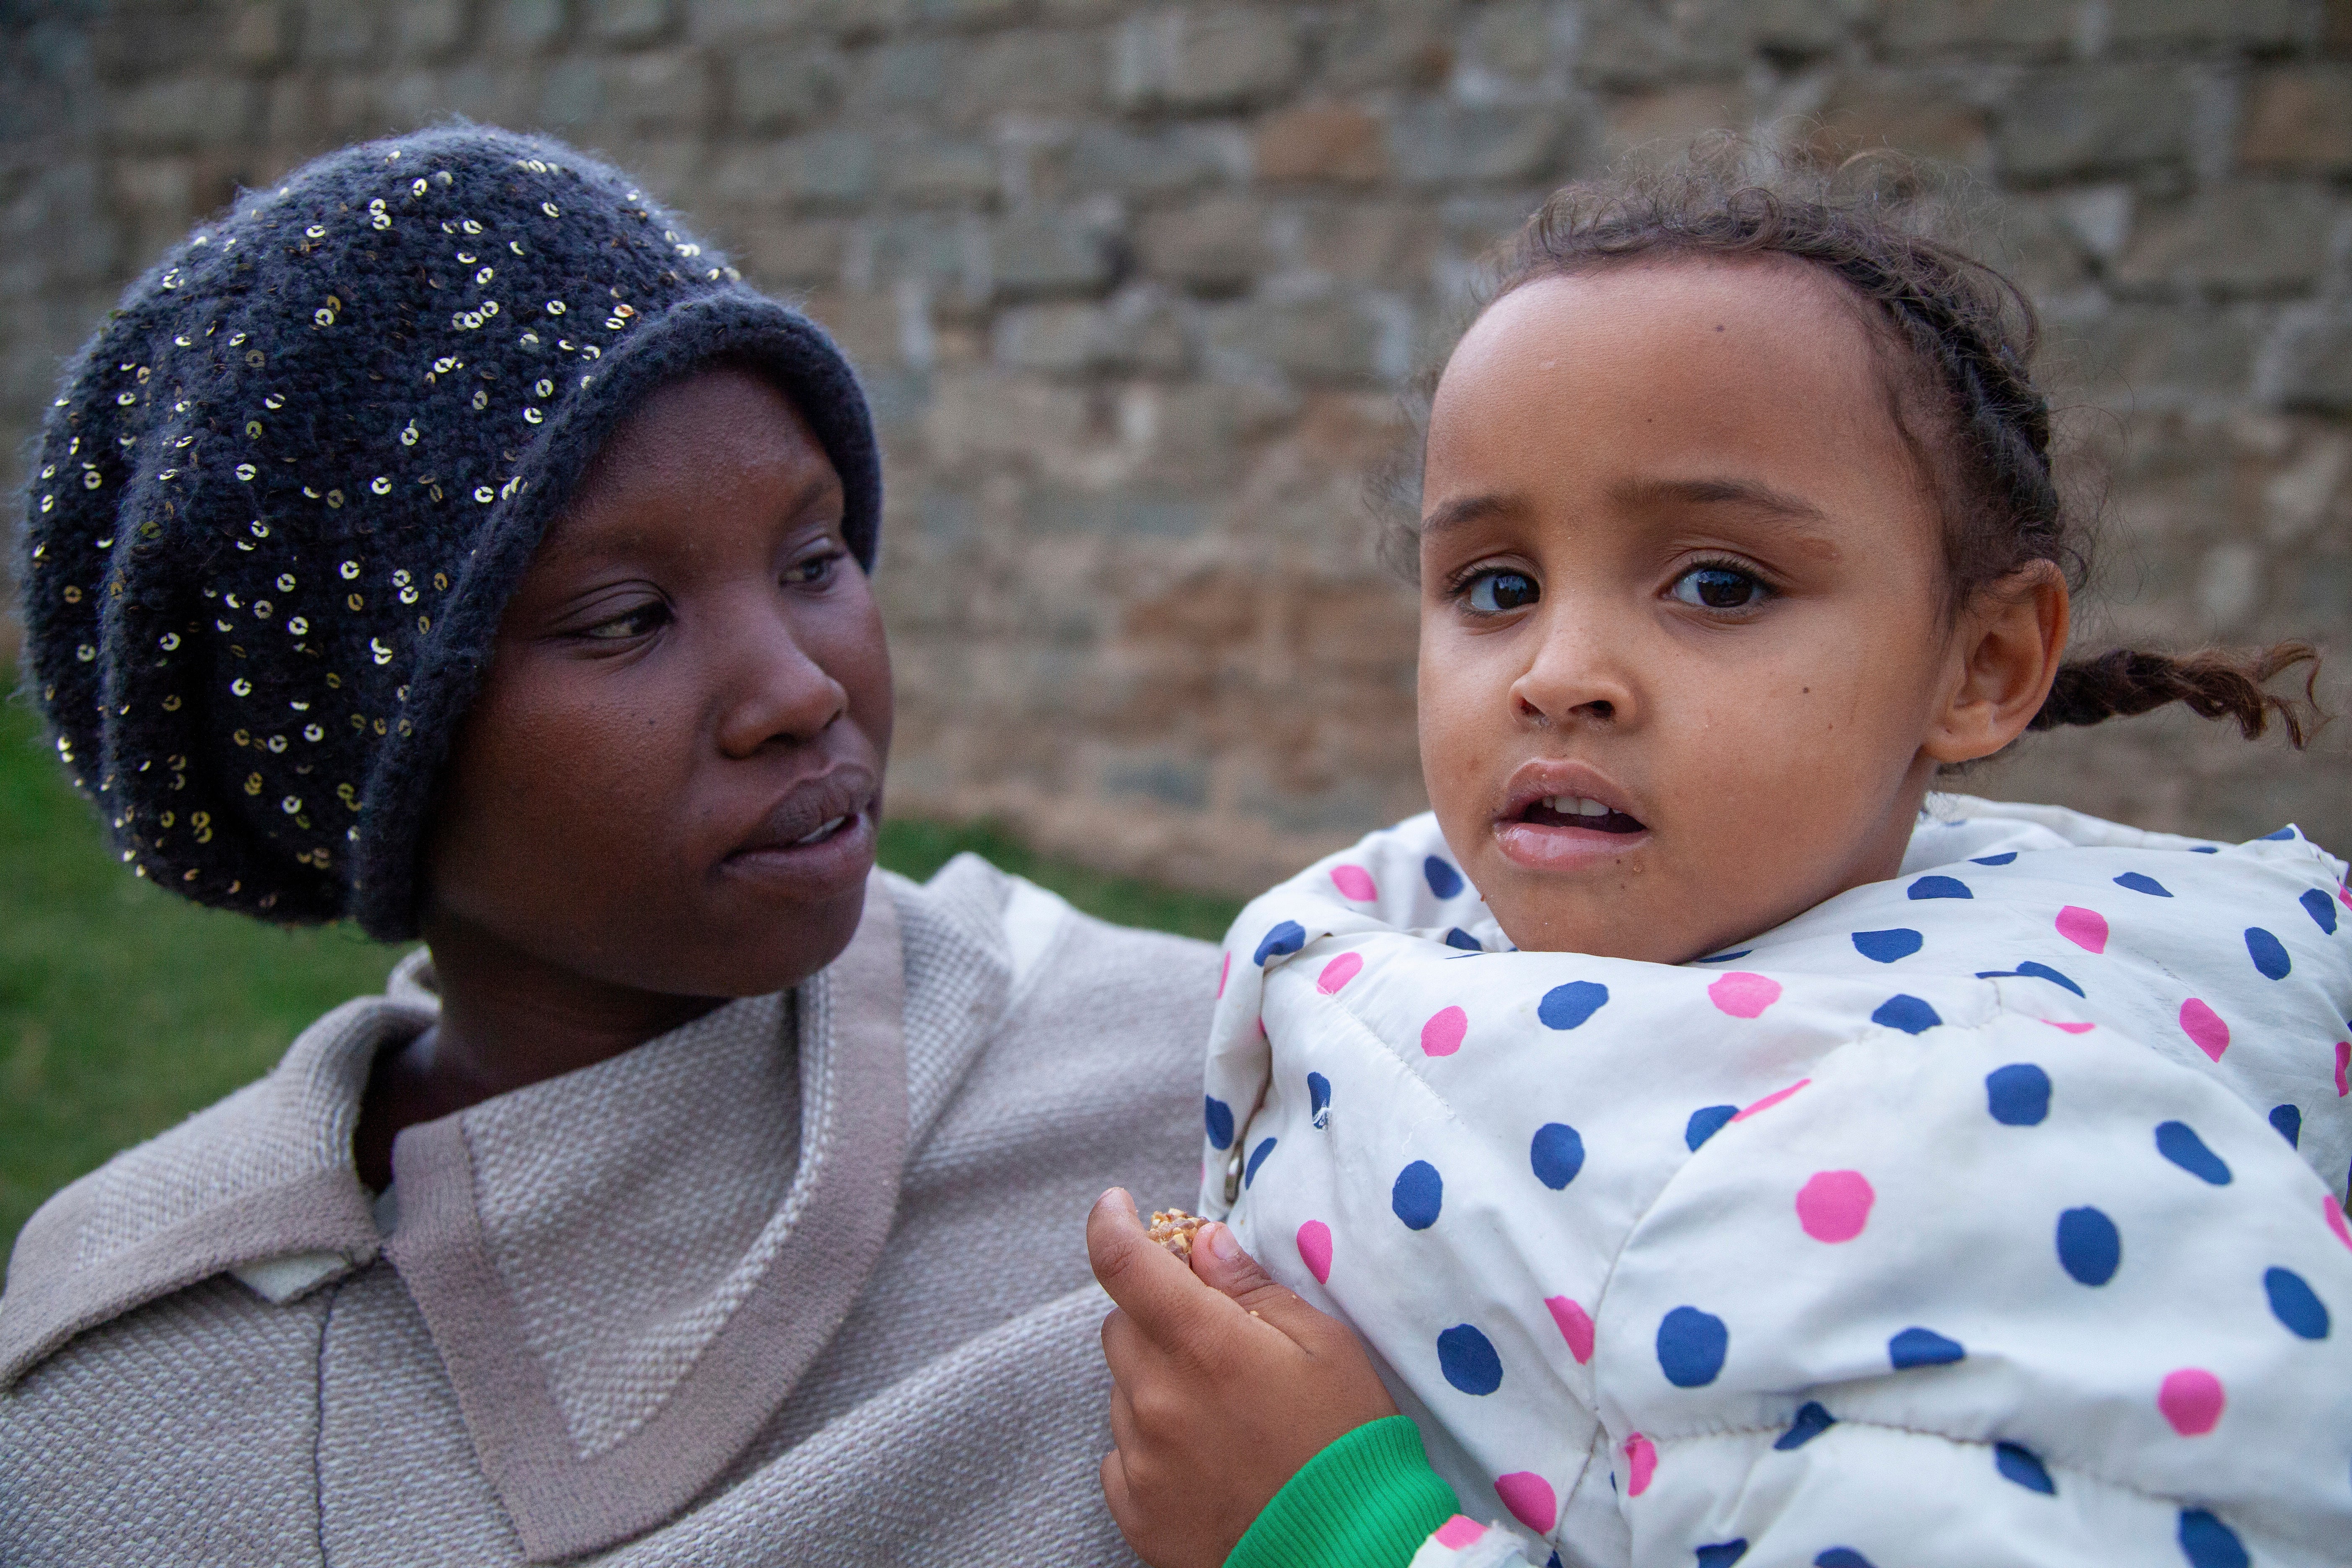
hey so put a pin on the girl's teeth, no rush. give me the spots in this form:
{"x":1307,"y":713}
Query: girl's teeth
{"x":1577,"y":805}
{"x":824,"y":832}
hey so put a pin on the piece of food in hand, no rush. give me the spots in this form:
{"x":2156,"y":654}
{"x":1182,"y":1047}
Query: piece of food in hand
{"x":1174,"y":1229}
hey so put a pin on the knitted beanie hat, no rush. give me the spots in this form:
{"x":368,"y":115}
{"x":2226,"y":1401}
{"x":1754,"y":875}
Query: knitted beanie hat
{"x":280,"y":506}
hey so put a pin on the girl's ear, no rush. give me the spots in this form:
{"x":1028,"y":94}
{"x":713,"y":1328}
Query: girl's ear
{"x":2009,"y":644}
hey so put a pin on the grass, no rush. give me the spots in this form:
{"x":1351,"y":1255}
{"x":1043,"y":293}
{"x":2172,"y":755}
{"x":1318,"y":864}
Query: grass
{"x":122,"y":1009}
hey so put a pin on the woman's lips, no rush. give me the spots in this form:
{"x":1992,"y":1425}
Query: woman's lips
{"x":822,"y":831}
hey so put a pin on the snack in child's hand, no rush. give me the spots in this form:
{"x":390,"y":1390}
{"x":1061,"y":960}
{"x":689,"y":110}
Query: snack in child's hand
{"x":1174,"y":1229}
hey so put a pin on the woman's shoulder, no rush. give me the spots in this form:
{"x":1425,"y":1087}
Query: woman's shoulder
{"x":258,"y":1185}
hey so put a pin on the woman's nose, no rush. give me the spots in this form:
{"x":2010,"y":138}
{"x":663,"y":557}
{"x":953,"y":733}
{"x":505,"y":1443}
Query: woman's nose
{"x":1578,"y":676}
{"x":776,"y":691}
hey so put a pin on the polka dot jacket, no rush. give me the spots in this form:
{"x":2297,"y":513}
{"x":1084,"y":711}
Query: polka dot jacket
{"x":1989,"y":1214}
{"x":283,"y":495}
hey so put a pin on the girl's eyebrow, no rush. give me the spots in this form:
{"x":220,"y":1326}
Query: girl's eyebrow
{"x":1745,"y":493}
{"x":1462,"y":510}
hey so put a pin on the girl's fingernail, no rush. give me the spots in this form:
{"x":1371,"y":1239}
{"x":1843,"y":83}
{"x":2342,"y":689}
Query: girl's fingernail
{"x":1222,"y":1244}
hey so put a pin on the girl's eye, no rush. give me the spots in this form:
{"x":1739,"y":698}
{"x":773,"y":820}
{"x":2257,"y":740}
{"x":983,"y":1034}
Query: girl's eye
{"x":632,"y":623}
{"x":1498,"y":593}
{"x":1719,"y":588}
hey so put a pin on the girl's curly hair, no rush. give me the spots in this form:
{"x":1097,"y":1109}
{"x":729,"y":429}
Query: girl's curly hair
{"x":1960,"y":338}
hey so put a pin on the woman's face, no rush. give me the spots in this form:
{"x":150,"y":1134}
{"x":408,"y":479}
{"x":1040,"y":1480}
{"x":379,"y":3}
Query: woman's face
{"x":672,"y":776}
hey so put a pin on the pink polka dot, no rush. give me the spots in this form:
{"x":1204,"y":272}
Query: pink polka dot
{"x":2070,"y":1028}
{"x":1575,"y":1326}
{"x":1338,"y":972}
{"x":1441,"y":1036}
{"x":1225,"y":972}
{"x":1834,"y":1206}
{"x":1315,"y":1249}
{"x":1354,"y":883}
{"x":2344,"y":895}
{"x":2336,"y":1220}
{"x":1459,"y":1532}
{"x":2087,"y":929}
{"x":2192,"y":1400}
{"x":1641,"y":1463}
{"x":2342,"y":1069}
{"x":1530,"y":1498}
{"x":1771,"y":1100}
{"x":1743,"y":996}
{"x":2204,"y":1026}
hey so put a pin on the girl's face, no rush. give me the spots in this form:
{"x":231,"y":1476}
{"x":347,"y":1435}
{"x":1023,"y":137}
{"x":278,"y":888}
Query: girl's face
{"x":671,"y":778}
{"x":1686,"y":665}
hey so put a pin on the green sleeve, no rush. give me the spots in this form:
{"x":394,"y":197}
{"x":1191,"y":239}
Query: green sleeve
{"x":1369,"y":1500}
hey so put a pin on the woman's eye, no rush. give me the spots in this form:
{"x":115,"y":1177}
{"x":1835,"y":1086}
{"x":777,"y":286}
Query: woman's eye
{"x":1719,"y":588}
{"x":815,"y":569}
{"x":1498,"y":593}
{"x":634,"y":623}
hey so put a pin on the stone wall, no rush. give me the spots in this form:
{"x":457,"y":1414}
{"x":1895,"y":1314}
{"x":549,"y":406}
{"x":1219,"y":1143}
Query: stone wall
{"x":1137,"y":286}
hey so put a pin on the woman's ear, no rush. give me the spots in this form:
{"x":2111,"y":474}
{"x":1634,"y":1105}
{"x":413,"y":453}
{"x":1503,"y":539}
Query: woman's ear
{"x":2008,"y":645}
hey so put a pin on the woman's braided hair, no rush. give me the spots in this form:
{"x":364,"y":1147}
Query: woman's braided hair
{"x":1962,"y":337}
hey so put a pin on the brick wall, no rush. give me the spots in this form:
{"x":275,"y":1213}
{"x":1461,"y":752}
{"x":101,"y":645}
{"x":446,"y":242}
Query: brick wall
{"x":1135,"y":287}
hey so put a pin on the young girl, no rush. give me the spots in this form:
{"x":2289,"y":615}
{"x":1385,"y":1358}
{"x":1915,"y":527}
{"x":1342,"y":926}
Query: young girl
{"x":1731,"y":1151}
{"x":446,"y":541}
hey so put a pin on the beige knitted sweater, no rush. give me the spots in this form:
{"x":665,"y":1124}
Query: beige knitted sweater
{"x":802,"y":1282}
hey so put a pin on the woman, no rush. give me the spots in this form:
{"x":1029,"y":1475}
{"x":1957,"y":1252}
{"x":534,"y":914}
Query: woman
{"x":448,"y":541}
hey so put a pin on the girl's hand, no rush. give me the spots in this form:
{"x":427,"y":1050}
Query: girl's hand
{"x":1225,"y":1384}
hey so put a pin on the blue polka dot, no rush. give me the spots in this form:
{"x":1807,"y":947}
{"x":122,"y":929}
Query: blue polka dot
{"x":1691,"y":1346}
{"x":1922,"y":1347}
{"x":2268,"y":952}
{"x":1462,"y":939}
{"x":2288,"y":1120}
{"x":1722,"y":1554}
{"x":2044,"y":971}
{"x":2020,"y":1463}
{"x":2205,"y":1541}
{"x":2017,"y":1095}
{"x":1908,"y":1013}
{"x":1419,"y":1194}
{"x":2177,"y":1142}
{"x":1444,"y":880}
{"x":1319,"y":1099}
{"x":1813,"y":1419}
{"x":2204,"y":850}
{"x":1468,"y":1360}
{"x":1724,"y":957}
{"x":2090,"y":1247}
{"x":1287,"y":937}
{"x":1220,"y":1118}
{"x":1841,"y":1557}
{"x":1887,"y":946}
{"x":1566,"y":1006}
{"x":1558,"y":1153}
{"x":2321,"y":909}
{"x":1994,"y":859}
{"x":2138,"y":883}
{"x":1940,"y":888}
{"x":2284,"y":833}
{"x":2295,"y":1304}
{"x":1258,"y":1158}
{"x":1705,"y":1122}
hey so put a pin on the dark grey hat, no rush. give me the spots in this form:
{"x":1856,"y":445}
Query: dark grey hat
{"x":288,"y":488}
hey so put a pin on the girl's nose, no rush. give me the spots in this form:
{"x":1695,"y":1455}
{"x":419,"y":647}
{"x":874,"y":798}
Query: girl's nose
{"x":776,"y":691}
{"x":1577,"y":677}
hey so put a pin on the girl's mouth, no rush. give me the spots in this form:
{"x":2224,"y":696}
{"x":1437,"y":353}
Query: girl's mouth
{"x":1579,"y":811}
